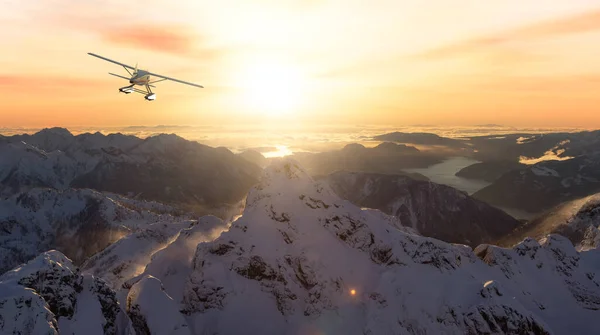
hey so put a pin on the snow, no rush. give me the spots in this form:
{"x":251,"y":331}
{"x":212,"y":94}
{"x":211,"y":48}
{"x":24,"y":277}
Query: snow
{"x":52,"y":288}
{"x":172,"y":265}
{"x":543,"y":171}
{"x":79,"y":222}
{"x":147,"y":300}
{"x":129,"y":256}
{"x":88,"y":318}
{"x":22,"y":311}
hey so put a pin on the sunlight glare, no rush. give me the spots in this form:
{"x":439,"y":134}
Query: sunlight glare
{"x":281,"y":151}
{"x":273,"y":88}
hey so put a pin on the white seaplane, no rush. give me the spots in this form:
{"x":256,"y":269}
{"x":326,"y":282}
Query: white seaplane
{"x":140,"y":78}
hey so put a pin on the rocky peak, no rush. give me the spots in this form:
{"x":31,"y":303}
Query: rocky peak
{"x":70,"y":296}
{"x":57,"y":131}
{"x":162,"y":143}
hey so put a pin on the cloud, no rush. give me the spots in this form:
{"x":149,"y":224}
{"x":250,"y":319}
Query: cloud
{"x":36,"y":82}
{"x":494,"y":50}
{"x":581,"y":23}
{"x":162,"y":38}
{"x":553,"y":154}
{"x":118,"y":26}
{"x":559,"y":85}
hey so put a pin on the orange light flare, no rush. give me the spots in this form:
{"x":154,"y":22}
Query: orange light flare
{"x":352,"y":292}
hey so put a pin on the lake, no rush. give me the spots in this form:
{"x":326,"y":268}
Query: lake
{"x":444,"y":173}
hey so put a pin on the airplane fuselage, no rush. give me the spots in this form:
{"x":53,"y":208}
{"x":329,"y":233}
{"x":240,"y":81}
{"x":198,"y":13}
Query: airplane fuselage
{"x":141,"y":78}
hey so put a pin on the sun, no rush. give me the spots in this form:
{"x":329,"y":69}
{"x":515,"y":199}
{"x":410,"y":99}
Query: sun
{"x":273,"y":88}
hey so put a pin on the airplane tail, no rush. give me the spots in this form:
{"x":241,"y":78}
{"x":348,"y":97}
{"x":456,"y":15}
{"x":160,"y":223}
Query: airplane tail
{"x":135,"y":71}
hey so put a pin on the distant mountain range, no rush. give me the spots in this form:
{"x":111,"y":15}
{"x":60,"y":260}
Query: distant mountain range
{"x":421,"y":139}
{"x":165,"y":168}
{"x":302,"y":260}
{"x":513,"y":147}
{"x":506,"y":147}
{"x":489,"y":171}
{"x":386,"y":157}
{"x":544,"y":185}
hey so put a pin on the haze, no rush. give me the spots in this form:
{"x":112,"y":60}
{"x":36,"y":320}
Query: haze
{"x":304,"y":62}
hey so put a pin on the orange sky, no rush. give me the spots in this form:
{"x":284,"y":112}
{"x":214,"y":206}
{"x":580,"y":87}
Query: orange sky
{"x":459,"y":62}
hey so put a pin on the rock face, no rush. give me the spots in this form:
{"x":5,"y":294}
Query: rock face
{"x":544,"y":185}
{"x":165,"y":168}
{"x":578,"y":220}
{"x":434,"y":210}
{"x":301,"y":260}
{"x":48,"y":295}
{"x":77,"y":222}
{"x":385,"y":158}
{"x":489,"y":171}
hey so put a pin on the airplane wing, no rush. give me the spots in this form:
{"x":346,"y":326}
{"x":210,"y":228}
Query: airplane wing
{"x":116,"y":75}
{"x":173,"y":79}
{"x":112,"y":61}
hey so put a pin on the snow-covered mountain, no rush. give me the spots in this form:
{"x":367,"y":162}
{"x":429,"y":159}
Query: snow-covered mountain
{"x":578,"y":220}
{"x":48,"y":295}
{"x":301,"y":260}
{"x":165,"y":168}
{"x":79,"y":222}
{"x":129,"y":256}
{"x":434,"y":210}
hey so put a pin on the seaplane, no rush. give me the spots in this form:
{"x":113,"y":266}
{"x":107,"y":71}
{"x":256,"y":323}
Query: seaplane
{"x":142,"y":78}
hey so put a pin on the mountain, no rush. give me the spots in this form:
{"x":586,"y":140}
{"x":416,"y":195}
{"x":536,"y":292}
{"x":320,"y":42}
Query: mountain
{"x":301,"y":260}
{"x":544,"y":185}
{"x":435,"y":210}
{"x":254,"y":157}
{"x":53,"y":139}
{"x":129,"y":256}
{"x":171,"y":169}
{"x":421,"y":139}
{"x":514,"y":146}
{"x":165,"y":168}
{"x":578,"y":220}
{"x":489,"y":171}
{"x":49,"y":296}
{"x":385,"y":158}
{"x":77,"y":222}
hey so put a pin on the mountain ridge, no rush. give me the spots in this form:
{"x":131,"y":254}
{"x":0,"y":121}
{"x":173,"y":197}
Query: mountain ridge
{"x":301,"y":260}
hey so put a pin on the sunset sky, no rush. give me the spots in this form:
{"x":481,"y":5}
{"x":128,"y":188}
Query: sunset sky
{"x":443,"y":62}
